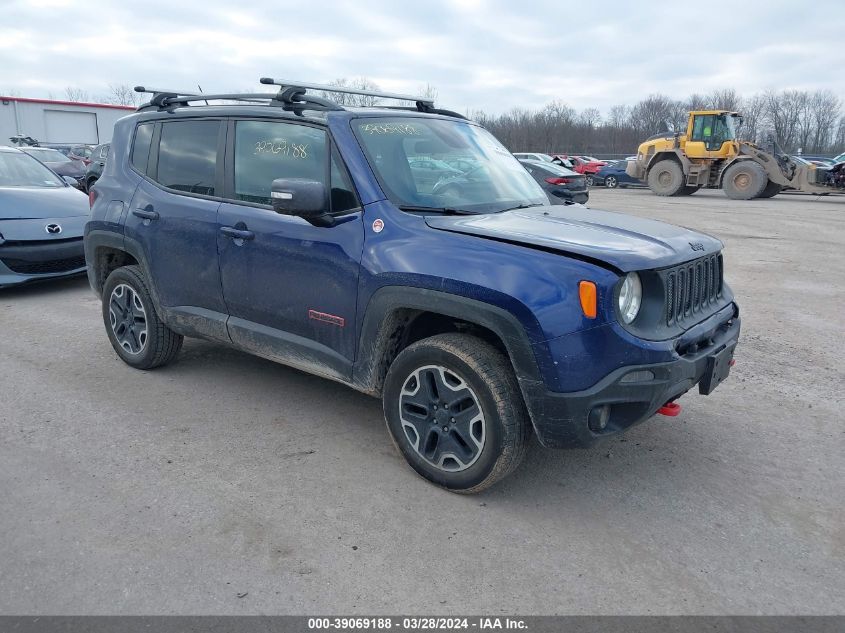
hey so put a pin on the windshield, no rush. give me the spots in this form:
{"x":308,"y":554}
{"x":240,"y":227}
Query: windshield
{"x":445,"y":165}
{"x":48,"y":155}
{"x":20,"y":170}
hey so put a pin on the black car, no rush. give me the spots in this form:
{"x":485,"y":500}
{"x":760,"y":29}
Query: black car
{"x":562,"y":185}
{"x":95,"y":167}
{"x":59,"y":163}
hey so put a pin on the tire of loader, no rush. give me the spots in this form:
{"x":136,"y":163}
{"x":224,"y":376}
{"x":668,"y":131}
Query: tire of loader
{"x":744,"y":180}
{"x":666,"y":178}
{"x":771,"y":190}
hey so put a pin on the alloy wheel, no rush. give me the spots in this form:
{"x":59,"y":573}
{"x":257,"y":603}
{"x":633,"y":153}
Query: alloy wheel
{"x":442,"y":418}
{"x":128,"y":319}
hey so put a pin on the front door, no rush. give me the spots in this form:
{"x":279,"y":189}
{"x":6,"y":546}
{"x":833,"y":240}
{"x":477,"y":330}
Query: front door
{"x":290,"y":287}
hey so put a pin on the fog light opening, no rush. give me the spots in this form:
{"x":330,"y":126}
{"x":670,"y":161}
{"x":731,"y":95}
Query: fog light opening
{"x":598,"y":418}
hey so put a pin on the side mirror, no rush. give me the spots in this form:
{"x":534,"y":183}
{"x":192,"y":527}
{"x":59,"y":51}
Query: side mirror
{"x":304,"y":198}
{"x":71,"y":181}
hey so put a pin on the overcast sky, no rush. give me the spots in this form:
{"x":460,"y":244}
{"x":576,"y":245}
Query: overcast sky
{"x":478,"y":54}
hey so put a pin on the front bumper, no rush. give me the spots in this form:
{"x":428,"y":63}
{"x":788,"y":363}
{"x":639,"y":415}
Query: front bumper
{"x":22,"y":262}
{"x":633,"y":393}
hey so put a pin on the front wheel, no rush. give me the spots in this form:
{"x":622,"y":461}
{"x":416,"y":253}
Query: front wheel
{"x":666,"y":178}
{"x":454,"y":409}
{"x":589,"y":179}
{"x":136,"y":333}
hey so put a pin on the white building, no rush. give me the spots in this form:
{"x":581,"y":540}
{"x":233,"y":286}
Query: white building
{"x":50,"y":121}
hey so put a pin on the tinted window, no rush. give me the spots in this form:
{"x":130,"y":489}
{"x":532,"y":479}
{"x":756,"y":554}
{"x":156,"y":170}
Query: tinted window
{"x":141,"y":148}
{"x":267,"y":150}
{"x":187,"y":156}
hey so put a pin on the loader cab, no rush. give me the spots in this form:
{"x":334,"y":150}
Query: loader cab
{"x":711,"y":134}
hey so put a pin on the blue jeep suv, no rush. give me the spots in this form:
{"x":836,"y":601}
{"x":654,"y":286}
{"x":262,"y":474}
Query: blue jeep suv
{"x":293,"y":228}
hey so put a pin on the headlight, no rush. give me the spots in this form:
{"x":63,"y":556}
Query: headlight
{"x":630,"y":297}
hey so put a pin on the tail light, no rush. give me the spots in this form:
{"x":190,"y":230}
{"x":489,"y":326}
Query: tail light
{"x":92,"y":196}
{"x":558,"y":181}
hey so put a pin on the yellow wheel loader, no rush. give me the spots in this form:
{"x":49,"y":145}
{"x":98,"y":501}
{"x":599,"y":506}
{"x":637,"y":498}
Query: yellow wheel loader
{"x":709,"y":155}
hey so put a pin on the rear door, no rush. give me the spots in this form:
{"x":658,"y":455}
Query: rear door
{"x":290,"y":287}
{"x":173,"y":215}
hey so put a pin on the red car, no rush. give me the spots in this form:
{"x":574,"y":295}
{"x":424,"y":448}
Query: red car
{"x":586,"y":165}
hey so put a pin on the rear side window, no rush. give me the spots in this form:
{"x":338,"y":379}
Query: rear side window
{"x":141,"y":147}
{"x":187,"y":156}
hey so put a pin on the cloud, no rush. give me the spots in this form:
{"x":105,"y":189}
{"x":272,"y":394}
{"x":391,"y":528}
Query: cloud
{"x":487,"y":55}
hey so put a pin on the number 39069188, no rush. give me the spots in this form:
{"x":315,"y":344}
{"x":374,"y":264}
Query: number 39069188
{"x":282,"y":148}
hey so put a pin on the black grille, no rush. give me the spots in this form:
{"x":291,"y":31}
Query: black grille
{"x":40,"y":268}
{"x":692,"y":287}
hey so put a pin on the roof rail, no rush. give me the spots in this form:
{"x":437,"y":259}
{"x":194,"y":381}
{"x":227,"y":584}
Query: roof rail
{"x":300,"y":87}
{"x":292,"y":95}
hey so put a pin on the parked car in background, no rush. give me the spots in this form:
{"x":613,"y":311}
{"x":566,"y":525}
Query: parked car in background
{"x":534,"y":156}
{"x":580,"y":165}
{"x":560,"y":184}
{"x":59,"y":163}
{"x":839,"y":159}
{"x":95,"y":167}
{"x":613,"y":175}
{"x":42,"y":219}
{"x":74,"y":152}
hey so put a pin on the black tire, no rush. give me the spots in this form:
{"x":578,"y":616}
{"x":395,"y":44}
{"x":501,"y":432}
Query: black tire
{"x":136,"y":333}
{"x":89,"y":183}
{"x":666,"y":178}
{"x":589,"y":180}
{"x":688,"y":190}
{"x":771,"y":190}
{"x":611,"y":182}
{"x":744,"y":180}
{"x":478,"y":380}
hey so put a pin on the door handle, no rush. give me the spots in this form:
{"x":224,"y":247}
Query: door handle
{"x":238,"y":234}
{"x":147,"y":213}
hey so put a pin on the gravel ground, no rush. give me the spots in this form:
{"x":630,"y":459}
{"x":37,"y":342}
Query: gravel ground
{"x":226,"y":484}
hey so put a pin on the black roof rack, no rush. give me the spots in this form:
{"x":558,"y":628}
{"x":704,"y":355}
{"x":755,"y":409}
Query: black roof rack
{"x":292,"y":95}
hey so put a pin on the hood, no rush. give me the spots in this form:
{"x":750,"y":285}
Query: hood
{"x":625,"y":242}
{"x":41,"y":202}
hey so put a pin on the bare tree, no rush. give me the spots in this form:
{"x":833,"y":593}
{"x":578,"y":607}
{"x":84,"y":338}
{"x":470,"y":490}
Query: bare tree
{"x":121,"y":94}
{"x":725,"y":99}
{"x":76,"y":94}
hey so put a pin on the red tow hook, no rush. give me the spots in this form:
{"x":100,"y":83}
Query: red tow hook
{"x":670,"y":408}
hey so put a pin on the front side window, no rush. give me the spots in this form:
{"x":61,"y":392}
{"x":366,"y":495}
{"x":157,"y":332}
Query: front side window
{"x":496,"y":182}
{"x":187,"y":157}
{"x":17,"y":169}
{"x":267,"y":150}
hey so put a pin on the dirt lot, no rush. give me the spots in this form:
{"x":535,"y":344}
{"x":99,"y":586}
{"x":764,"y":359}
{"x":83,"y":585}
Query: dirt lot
{"x":228,"y":484}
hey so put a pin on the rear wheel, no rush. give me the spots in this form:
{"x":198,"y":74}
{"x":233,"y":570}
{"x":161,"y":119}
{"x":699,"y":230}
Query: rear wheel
{"x":454,"y":409}
{"x":744,"y":180}
{"x":666,"y":178}
{"x":771,"y":190}
{"x":133,"y":327}
{"x":589,"y":179}
{"x":611,"y":182}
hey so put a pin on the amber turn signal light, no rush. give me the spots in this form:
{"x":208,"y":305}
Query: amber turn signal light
{"x":587,"y":294}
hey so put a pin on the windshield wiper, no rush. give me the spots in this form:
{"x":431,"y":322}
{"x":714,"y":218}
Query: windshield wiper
{"x":521,"y":206}
{"x":443,"y":210}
